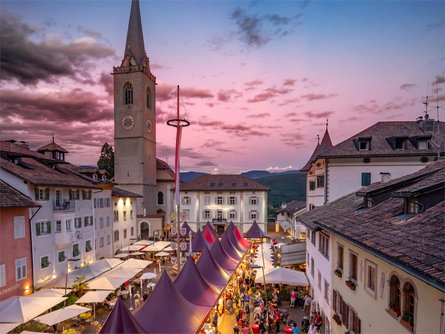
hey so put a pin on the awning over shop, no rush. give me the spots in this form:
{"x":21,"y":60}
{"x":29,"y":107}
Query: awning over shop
{"x":282,"y":275}
{"x":157,"y":246}
{"x":293,"y":254}
{"x":255,"y":232}
{"x":120,"y":320}
{"x":193,"y":286}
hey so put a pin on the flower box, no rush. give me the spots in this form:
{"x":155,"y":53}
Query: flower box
{"x":337,"y":319}
{"x":338,"y":272}
{"x":408,"y":321}
{"x":394,"y":310}
{"x":407,"y":325}
{"x":351,"y":285}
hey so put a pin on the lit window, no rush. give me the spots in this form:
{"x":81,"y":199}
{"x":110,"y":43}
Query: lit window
{"x":128,"y":93}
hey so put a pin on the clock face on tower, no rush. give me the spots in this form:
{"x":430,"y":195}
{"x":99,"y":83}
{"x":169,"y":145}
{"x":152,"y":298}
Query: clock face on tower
{"x":149,"y":126}
{"x":127,"y":122}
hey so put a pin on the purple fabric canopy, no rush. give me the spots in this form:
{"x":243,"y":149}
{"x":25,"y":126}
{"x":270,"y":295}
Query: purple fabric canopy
{"x":198,"y":243}
{"x":194,"y":287}
{"x":167,"y":311}
{"x":240,"y":238}
{"x":222,"y":258}
{"x":229,"y":247}
{"x":211,"y":270}
{"x":255,"y":232}
{"x":230,"y":231}
{"x":210,"y":227}
{"x":120,"y":320}
{"x":187,"y":229}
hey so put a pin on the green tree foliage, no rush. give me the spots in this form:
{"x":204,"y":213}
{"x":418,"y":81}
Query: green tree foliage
{"x":106,"y":160}
{"x":79,"y":286}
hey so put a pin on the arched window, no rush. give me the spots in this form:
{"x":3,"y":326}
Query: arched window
{"x":394,"y":294}
{"x":160,"y":198}
{"x":408,"y":303}
{"x":128,"y":93}
{"x":148,"y":98}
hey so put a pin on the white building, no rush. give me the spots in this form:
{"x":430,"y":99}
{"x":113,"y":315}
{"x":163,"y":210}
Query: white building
{"x":220,"y":199}
{"x":286,"y":218}
{"x":63,"y":227}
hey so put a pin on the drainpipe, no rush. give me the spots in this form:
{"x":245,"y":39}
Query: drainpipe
{"x":32,"y":246}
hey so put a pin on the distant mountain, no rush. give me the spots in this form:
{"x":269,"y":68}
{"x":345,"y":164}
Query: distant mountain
{"x":256,"y":174}
{"x":187,"y":176}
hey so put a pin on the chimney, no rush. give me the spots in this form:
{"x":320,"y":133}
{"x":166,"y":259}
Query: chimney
{"x":385,"y":177}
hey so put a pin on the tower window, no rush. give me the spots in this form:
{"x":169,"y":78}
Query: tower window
{"x":128,"y":93}
{"x":160,"y":198}
{"x":148,"y":98}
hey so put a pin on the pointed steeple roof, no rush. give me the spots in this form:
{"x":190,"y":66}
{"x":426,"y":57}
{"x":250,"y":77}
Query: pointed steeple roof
{"x":326,"y":145}
{"x":134,"y":47}
{"x":120,"y":320}
{"x":311,"y":159}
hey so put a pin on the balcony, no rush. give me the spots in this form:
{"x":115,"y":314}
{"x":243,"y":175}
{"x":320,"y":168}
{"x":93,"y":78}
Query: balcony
{"x":64,"y":205}
{"x":219,"y":220}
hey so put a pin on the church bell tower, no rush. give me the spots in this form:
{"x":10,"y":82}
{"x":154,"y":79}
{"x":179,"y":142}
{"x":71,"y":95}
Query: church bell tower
{"x":135,"y":118}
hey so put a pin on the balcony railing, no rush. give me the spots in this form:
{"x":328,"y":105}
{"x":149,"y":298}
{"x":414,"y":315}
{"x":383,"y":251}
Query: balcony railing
{"x":64,"y":205}
{"x":219,"y":220}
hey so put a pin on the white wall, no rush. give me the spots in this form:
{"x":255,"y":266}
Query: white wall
{"x":103,"y":212}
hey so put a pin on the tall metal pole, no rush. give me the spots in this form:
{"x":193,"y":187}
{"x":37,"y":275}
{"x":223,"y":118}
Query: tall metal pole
{"x":178,"y":207}
{"x":264,"y":277}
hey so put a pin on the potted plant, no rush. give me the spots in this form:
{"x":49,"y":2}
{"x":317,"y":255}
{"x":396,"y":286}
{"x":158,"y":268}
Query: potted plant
{"x":408,"y":320}
{"x":394,"y":309}
{"x":337,"y":319}
{"x":338,"y":272}
{"x":351,"y":285}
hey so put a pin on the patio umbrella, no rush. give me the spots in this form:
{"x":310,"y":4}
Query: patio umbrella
{"x":162,"y":254}
{"x":148,"y":276}
{"x":62,"y":314}
{"x":121,"y":255}
{"x":144,"y":242}
{"x":107,"y":282}
{"x":131,"y":248}
{"x":22,"y":309}
{"x":51,"y":293}
{"x":5,"y":328}
{"x":94,"y":297}
{"x":136,"y":253}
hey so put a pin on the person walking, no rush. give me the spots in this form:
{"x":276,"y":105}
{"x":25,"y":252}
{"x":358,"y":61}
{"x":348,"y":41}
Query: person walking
{"x":307,"y":303}
{"x":293,"y":294}
{"x":295,"y":328}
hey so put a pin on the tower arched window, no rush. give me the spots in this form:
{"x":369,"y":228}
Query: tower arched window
{"x":148,"y":98}
{"x":128,"y":93}
{"x":409,"y":300}
{"x":394,"y":294}
{"x":160,"y":198}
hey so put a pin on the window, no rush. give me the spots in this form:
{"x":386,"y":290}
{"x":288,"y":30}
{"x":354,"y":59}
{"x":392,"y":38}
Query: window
{"x":77,"y":222}
{"x":340,"y":251}
{"x":19,"y":227}
{"x":312,"y":267}
{"x":371,"y":278}
{"x":43,"y":228}
{"x":95,"y":200}
{"x":88,"y":247}
{"x":363,"y":145}
{"x":345,"y":313}
{"x":186,"y":214}
{"x":413,"y":206}
{"x":408,"y":303}
{"x":366,"y":179}
{"x":132,"y":231}
{"x":148,"y":98}
{"x":253,"y":200}
{"x":206,"y":200}
{"x":108,"y":222}
{"x":101,"y":203}
{"x":58,"y":226}
{"x":232,"y":215}
{"x":61,"y":256}
{"x":160,"y":198}
{"x":206,"y":214}
{"x":311,"y":185}
{"x":423,"y":144}
{"x":253,"y":215}
{"x":68,"y":225}
{"x":313,"y":237}
{"x":116,"y":215}
{"x":125,"y":233}
{"x":219,"y":200}
{"x":323,"y":244}
{"x":124,"y":215}
{"x":44,"y":262}
{"x":74,"y":194}
{"x":355,"y":325}
{"x":311,"y":207}
{"x":86,"y":194}
{"x":85,"y":221}
{"x":42,"y":194}
{"x":20,"y":269}
{"x":319,"y":279}
{"x":128,"y":93}
{"x":2,"y":275}
{"x":108,"y":239}
{"x":232,"y":200}
{"x":116,"y":235}
{"x":326,"y":291}
{"x":76,"y":251}
{"x":108,"y":202}
{"x":353,"y":266}
{"x":101,"y":222}
{"x":219,"y":215}
{"x":320,"y":181}
{"x":131,"y":214}
{"x":394,"y":294}
{"x":399,"y":143}
{"x":186,"y":200}
{"x":101,"y":242}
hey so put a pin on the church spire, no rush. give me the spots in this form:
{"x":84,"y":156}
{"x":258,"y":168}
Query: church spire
{"x":134,"y":47}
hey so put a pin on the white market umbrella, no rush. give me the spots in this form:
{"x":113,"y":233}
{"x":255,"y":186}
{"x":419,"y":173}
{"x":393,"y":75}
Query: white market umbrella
{"x":169,"y":249}
{"x":131,"y":248}
{"x":62,"y":314}
{"x":134,"y":263}
{"x":22,"y":309}
{"x":162,"y":254}
{"x":148,"y":276}
{"x":106,"y":283}
{"x":51,"y":293}
{"x":121,"y":255}
{"x":151,"y":285}
{"x":94,"y":297}
{"x":157,"y":246}
{"x":284,"y":276}
{"x":136,"y":253}
{"x":144,"y":242}
{"x":5,"y":328}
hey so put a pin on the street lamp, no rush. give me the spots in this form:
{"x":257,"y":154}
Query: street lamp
{"x":66,"y":275}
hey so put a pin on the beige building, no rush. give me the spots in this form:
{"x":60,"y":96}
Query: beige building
{"x":382,"y":247}
{"x":221,"y":199}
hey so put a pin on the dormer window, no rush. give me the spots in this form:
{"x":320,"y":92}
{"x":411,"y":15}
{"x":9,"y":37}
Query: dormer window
{"x":422,"y":144}
{"x":369,"y":203}
{"x":364,"y":143}
{"x":400,"y":143}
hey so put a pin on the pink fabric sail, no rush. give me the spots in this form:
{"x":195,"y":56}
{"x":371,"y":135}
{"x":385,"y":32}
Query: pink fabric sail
{"x":193,"y":286}
{"x":230,"y":231}
{"x":209,"y":236}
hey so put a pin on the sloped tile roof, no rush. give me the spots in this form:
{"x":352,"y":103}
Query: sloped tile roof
{"x":235,"y":182}
{"x":12,"y":198}
{"x":123,"y":193}
{"x":52,"y":147}
{"x":293,"y":206}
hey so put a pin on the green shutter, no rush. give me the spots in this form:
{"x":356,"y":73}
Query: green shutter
{"x":38,"y":229}
{"x":37,"y":193}
{"x":47,"y":193}
{"x":85,"y":221}
{"x":48,"y":227}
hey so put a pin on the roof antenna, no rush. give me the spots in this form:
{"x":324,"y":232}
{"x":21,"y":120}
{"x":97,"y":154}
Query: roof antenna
{"x":426,"y":107}
{"x":327,"y":124}
{"x":318,"y":139}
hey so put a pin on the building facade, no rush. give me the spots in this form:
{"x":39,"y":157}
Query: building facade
{"x":286,"y":218}
{"x":221,"y":199}
{"x":15,"y":238}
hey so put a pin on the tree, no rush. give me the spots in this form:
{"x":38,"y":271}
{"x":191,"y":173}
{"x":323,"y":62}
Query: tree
{"x":106,"y":160}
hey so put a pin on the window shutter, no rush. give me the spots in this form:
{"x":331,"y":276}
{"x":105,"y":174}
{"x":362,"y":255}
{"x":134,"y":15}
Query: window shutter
{"x":91,"y":220}
{"x":85,"y":221}
{"x":47,"y":193}
{"x":37,"y":193}
{"x":38,"y":229}
{"x":48,"y":227}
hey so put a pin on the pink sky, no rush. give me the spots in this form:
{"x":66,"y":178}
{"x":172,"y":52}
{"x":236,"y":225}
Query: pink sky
{"x":258,"y":79}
